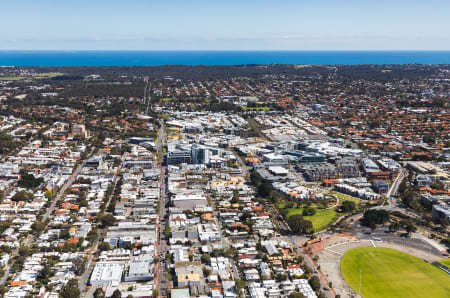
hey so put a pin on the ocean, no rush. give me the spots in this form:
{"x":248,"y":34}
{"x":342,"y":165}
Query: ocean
{"x":155,"y":58}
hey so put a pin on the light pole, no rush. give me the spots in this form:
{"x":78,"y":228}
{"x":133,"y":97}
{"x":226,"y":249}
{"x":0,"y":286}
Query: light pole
{"x":360,"y":271}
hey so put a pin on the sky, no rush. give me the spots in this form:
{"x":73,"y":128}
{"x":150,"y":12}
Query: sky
{"x":224,"y":25}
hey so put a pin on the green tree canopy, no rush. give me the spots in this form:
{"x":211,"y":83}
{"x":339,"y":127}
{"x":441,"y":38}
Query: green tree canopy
{"x":108,"y":220}
{"x":29,"y":181}
{"x":296,"y":295}
{"x":23,"y":195}
{"x":374,"y":217}
{"x":348,"y":206}
{"x":116,"y":294}
{"x":99,"y":293}
{"x":308,"y":211}
{"x":299,"y":225}
{"x":70,"y":290}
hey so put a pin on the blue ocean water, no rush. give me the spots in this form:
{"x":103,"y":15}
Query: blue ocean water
{"x":153,"y":58}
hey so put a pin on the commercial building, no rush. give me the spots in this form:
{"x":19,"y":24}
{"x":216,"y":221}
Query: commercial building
{"x":177,"y":157}
{"x":307,"y":156}
{"x":441,"y":211}
{"x":347,"y":167}
{"x":189,"y":201}
{"x":319,"y":171}
{"x":106,"y":272}
{"x":369,"y":166}
{"x":380,"y":186}
{"x":139,"y":270}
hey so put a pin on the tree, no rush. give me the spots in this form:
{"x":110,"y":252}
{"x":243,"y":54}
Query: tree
{"x":296,"y":295}
{"x":374,"y":217}
{"x":99,"y":293}
{"x":70,"y":290}
{"x":429,"y":139}
{"x":409,"y":227}
{"x":438,"y":185}
{"x":23,"y":195}
{"x":314,"y":282}
{"x":348,"y":206}
{"x":7,"y":143}
{"x":45,"y":273}
{"x":240,"y":284}
{"x":116,"y":294}
{"x":38,"y":226}
{"x":299,"y":225}
{"x":394,"y":227}
{"x":255,"y":178}
{"x":205,"y":258}
{"x":48,"y":194}
{"x":206,"y":272}
{"x":265,"y":189}
{"x":167,"y":231}
{"x":29,"y":181}
{"x":446,"y":242}
{"x":79,"y":265}
{"x":235,"y":198}
{"x":308,"y":211}
{"x":108,"y":220}
{"x":104,"y":246}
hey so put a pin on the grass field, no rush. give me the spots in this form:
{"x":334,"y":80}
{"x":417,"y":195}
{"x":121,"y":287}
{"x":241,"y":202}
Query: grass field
{"x":320,"y":220}
{"x":342,"y":197}
{"x":446,"y":262}
{"x":390,"y":273}
{"x":167,"y":99}
{"x":11,"y":78}
{"x":256,"y":108}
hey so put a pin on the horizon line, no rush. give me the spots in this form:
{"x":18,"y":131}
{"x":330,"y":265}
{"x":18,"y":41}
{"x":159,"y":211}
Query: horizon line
{"x":218,"y":50}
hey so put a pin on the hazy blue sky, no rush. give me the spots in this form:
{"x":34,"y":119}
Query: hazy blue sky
{"x":225,"y":25}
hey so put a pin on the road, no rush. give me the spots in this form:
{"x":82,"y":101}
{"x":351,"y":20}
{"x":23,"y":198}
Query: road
{"x":84,"y":278}
{"x":394,"y":187}
{"x":62,"y":191}
{"x":243,"y":166}
{"x":286,"y":230}
{"x":147,"y":92}
{"x":383,"y":234}
{"x":161,"y":247}
{"x":312,"y":265}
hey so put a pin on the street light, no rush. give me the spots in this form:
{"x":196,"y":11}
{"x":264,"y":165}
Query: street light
{"x":360,"y":271}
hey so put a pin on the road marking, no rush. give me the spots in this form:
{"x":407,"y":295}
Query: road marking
{"x":333,"y":251}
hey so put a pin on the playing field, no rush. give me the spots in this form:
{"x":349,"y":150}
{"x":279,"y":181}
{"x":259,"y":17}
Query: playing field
{"x":320,"y":220}
{"x":446,"y":262}
{"x":390,"y":273}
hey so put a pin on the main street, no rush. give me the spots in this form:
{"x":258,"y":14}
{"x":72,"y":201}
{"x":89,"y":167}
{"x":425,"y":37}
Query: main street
{"x":100,"y":233}
{"x":395,"y":186}
{"x":161,"y":250}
